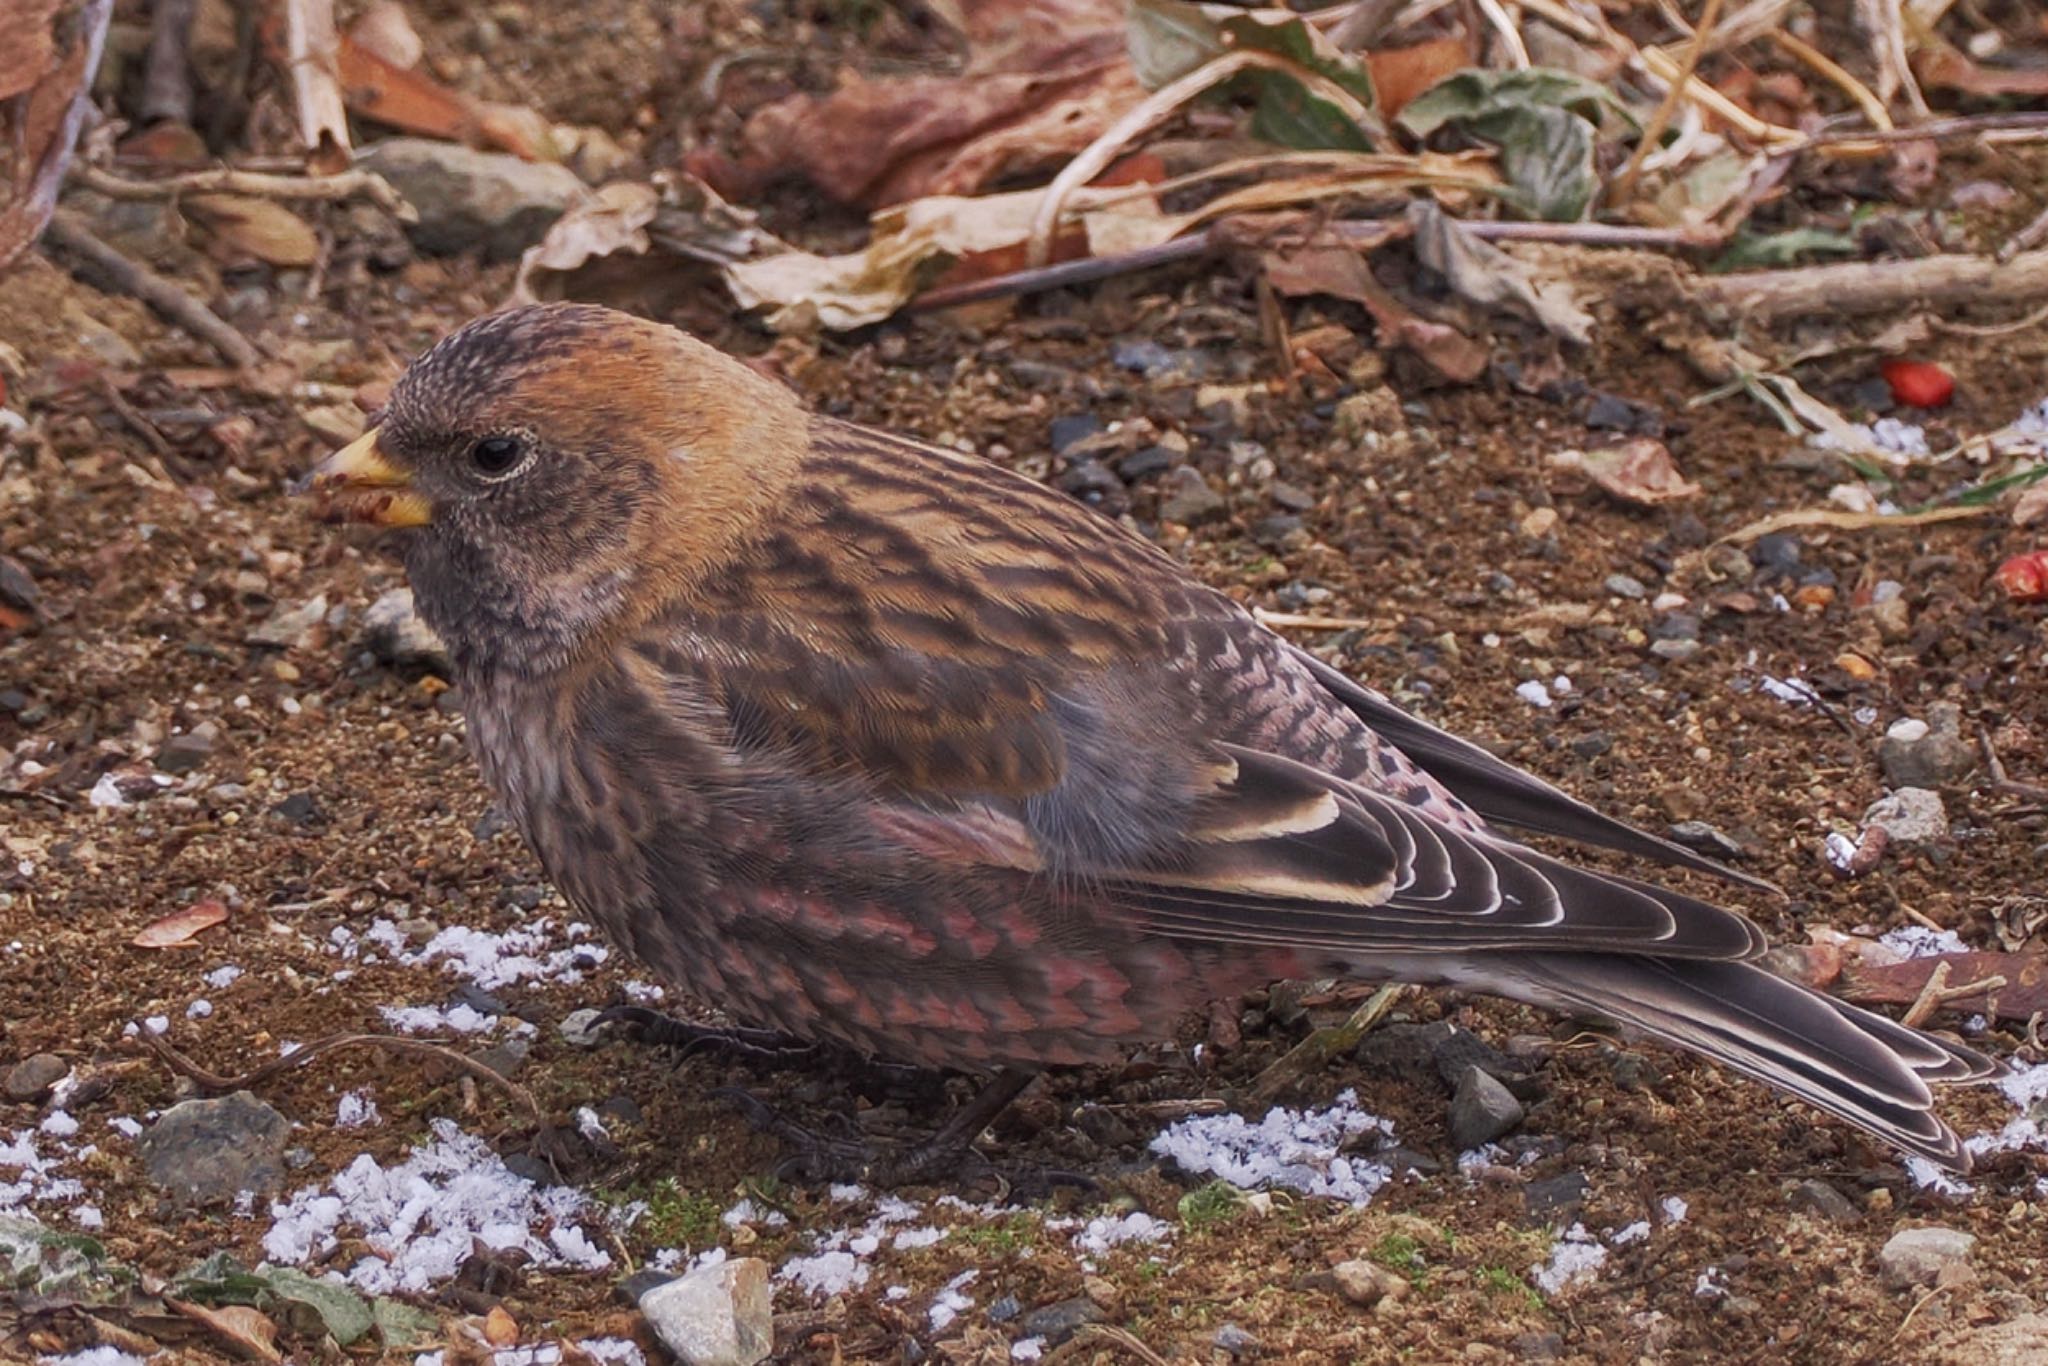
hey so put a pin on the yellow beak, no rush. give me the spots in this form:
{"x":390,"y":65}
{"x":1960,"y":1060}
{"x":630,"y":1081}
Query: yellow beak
{"x":362,"y":485}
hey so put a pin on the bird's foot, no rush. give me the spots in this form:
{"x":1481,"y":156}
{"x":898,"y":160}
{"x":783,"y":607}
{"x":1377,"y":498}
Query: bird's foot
{"x":945,"y":1157}
{"x":766,"y":1050}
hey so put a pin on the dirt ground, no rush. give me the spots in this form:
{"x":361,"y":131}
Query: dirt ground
{"x":338,"y":792}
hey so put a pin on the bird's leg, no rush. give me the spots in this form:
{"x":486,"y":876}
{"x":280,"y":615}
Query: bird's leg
{"x":765,"y":1050}
{"x":766,"y":1047}
{"x":946,"y":1153}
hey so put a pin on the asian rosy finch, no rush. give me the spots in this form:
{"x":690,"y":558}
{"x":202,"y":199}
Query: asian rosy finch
{"x":874,"y":742}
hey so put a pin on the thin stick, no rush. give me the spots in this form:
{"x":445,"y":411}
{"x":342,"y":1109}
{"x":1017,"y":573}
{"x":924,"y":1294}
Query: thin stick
{"x":1295,"y":621}
{"x":226,"y":180}
{"x":1153,"y":110}
{"x":334,"y":1043}
{"x":22,"y":794}
{"x":1510,"y":36}
{"x":1843,"y":520}
{"x":2032,"y":235}
{"x":37,"y":173}
{"x":1625,"y":183}
{"x":69,"y":235}
{"x":1939,"y":130}
{"x":1216,"y":237}
{"x":310,"y":43}
{"x":167,"y":74}
{"x":1875,"y":286}
{"x":1801,"y":50}
{"x":1322,"y":1045}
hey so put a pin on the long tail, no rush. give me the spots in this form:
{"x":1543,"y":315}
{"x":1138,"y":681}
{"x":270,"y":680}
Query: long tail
{"x":1860,"y":1067}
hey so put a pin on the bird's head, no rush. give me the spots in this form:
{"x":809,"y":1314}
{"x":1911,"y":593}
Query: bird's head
{"x":563,"y":468}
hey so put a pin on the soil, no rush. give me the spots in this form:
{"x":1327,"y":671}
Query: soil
{"x":1432,"y":516}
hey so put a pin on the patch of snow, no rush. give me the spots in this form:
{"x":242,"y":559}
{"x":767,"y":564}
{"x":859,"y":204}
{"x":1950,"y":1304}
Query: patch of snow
{"x":459,"y":1019}
{"x":1710,"y":1285}
{"x":1841,"y":850}
{"x":747,"y":1212}
{"x":1917,"y":941}
{"x":1901,"y":441}
{"x":911,"y":1238}
{"x":59,"y":1124}
{"x":425,"y":1214}
{"x":1106,"y":1231}
{"x":1576,"y":1256}
{"x":1637,"y":1232}
{"x":1796,"y":691}
{"x":199,"y":1009}
{"x":950,"y":1303}
{"x":222,"y":977}
{"x":356,"y":1110}
{"x":106,"y":793}
{"x":125,"y":1126}
{"x":644,"y":992}
{"x":832,"y":1272}
{"x":1301,"y":1150}
{"x":1027,"y":1349}
{"x":623,"y":1351}
{"x":1675,"y":1209}
{"x":36,"y":1175}
{"x":1533,"y":692}
{"x":93,"y":1356}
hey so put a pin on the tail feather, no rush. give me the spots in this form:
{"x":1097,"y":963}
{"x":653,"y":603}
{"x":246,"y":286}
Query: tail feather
{"x":1862,"y":1068}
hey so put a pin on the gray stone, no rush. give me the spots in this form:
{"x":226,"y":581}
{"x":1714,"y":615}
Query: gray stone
{"x":34,"y":1075}
{"x":183,"y":753}
{"x":393,"y":631}
{"x":1707,"y":839}
{"x":1625,"y":586}
{"x":1234,"y":1340}
{"x":1932,"y":753}
{"x":579,"y":1027}
{"x":1555,"y":1199}
{"x":1145,"y":460}
{"x":1911,"y":815}
{"x":1060,"y":1320}
{"x":1921,"y":1256}
{"x":468,"y":198}
{"x":1367,"y":1283}
{"x":719,"y":1315}
{"x":205,"y":1152}
{"x":1185,"y":497}
{"x":1676,"y":651}
{"x":1818,"y":1197}
{"x":1481,"y":1110}
{"x":290,"y":627}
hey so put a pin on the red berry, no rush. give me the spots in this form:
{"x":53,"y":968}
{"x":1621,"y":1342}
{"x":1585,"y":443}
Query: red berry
{"x":2025,"y":577}
{"x":1919,"y":384}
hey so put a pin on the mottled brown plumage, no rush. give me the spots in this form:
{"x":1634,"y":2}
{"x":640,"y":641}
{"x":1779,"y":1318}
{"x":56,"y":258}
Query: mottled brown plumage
{"x":871,"y":741}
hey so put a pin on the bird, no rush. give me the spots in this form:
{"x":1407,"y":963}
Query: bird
{"x":881,"y":744}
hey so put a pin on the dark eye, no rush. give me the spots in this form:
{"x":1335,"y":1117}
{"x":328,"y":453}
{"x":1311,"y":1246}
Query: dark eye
{"x":496,"y":454}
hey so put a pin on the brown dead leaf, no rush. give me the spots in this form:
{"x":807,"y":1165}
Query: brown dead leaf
{"x":500,"y":1328}
{"x":261,"y":228}
{"x":1043,"y":79}
{"x":2031,"y":506}
{"x":1400,"y":74}
{"x":247,"y":1332}
{"x":415,"y":102}
{"x":1342,"y":272}
{"x":181,"y":925}
{"x":49,"y":50}
{"x":1639,"y":471}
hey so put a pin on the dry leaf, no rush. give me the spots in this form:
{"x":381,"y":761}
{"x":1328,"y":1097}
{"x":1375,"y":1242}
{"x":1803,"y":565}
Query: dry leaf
{"x":248,"y":1332}
{"x":1639,"y":471}
{"x":261,"y":228}
{"x":181,"y":925}
{"x":500,"y":1328}
{"x":49,"y":51}
{"x":386,"y":31}
{"x":1400,"y":74}
{"x":417,"y":103}
{"x":1343,"y":272}
{"x":613,"y":219}
{"x":1485,"y":274}
{"x":2031,"y":506}
{"x":1043,"y":79}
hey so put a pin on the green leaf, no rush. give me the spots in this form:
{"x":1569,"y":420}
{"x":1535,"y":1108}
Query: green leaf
{"x":345,"y":1314}
{"x":402,"y":1326}
{"x":1782,"y":248}
{"x":1168,"y":39}
{"x":1545,"y":122}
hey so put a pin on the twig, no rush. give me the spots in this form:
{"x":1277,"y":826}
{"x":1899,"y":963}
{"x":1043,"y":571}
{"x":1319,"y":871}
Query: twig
{"x":1929,"y":1298}
{"x":2000,"y":780}
{"x":1510,"y":36}
{"x":22,"y":794}
{"x":1843,"y":520}
{"x":1220,"y":235}
{"x":1873,"y":107}
{"x":2032,"y":235}
{"x":310,"y":43}
{"x":1937,"y":130}
{"x":1625,"y":183}
{"x":167,"y":74}
{"x":1874,"y":286}
{"x":1322,"y":1045}
{"x":37,"y":173}
{"x":1120,"y":1337}
{"x":2039,"y":315}
{"x":69,"y":235}
{"x":226,"y":180}
{"x":334,"y":1043}
{"x":1154,"y":109}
